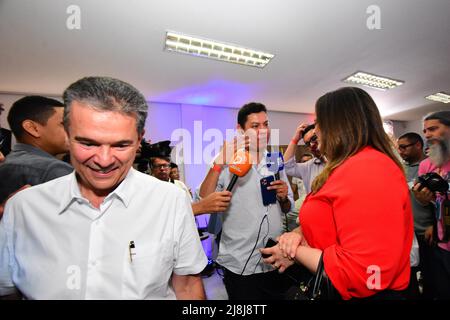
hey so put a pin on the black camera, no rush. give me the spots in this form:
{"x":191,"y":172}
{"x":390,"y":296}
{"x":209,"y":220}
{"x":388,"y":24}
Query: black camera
{"x":433,"y":181}
{"x":159,"y":149}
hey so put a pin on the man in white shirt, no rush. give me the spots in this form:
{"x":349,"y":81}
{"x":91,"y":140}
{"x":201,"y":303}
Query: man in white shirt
{"x":105,"y":231}
{"x":308,"y":170}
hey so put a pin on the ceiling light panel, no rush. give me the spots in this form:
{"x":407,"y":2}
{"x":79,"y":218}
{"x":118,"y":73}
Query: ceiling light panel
{"x":373,"y":81}
{"x":182,"y":43}
{"x":439,"y":97}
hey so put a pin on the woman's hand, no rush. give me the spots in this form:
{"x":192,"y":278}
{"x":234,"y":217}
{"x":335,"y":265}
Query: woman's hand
{"x":290,"y":241}
{"x":276,"y":259}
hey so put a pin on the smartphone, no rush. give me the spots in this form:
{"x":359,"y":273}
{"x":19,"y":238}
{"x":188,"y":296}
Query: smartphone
{"x":268,"y":196}
{"x":270,"y":243}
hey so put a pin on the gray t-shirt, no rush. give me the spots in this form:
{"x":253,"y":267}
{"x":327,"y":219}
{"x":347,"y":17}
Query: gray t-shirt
{"x":423,"y":216}
{"x":29,"y":165}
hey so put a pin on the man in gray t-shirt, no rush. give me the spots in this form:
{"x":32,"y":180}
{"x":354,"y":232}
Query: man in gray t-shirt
{"x":36,"y":122}
{"x":410,"y":148}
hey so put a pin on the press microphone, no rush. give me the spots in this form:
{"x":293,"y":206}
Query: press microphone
{"x":275,"y":163}
{"x":239,"y":166}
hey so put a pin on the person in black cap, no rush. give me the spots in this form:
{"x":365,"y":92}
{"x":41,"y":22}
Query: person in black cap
{"x":308,"y":170}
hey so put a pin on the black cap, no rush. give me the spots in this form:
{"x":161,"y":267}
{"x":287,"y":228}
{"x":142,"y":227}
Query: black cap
{"x":308,"y":128}
{"x":159,"y":149}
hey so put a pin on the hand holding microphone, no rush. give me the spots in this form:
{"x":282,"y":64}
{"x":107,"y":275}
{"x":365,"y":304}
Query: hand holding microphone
{"x":239,"y":166}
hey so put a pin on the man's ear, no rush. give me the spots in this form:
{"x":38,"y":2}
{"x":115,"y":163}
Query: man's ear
{"x":240,"y":129}
{"x":32,"y":128}
{"x":141,"y":136}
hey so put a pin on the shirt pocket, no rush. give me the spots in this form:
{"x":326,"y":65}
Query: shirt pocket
{"x":147,"y":272}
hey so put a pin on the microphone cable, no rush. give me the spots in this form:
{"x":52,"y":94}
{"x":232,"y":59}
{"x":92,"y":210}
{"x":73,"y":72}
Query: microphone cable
{"x":256,"y":242}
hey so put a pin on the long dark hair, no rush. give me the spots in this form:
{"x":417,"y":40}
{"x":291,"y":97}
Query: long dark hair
{"x":349,"y":120}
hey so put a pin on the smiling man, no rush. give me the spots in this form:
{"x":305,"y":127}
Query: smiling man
{"x":251,"y":218}
{"x":106,"y":231}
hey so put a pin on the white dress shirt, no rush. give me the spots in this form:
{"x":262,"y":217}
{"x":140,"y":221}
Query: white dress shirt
{"x":56,"y":245}
{"x":307,"y":171}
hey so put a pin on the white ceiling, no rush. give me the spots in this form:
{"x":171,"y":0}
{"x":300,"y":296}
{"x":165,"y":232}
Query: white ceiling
{"x":316,"y":42}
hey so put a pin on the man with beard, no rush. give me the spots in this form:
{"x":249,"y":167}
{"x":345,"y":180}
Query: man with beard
{"x":436,"y":128}
{"x":249,"y":222}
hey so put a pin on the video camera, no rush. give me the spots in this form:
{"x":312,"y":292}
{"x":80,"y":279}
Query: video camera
{"x":433,"y":181}
{"x":160,"y":149}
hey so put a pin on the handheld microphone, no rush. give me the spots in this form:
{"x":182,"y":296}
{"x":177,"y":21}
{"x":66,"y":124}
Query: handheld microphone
{"x":239,"y":166}
{"x":275,"y":163}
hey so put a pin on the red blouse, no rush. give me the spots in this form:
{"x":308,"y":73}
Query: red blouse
{"x":361,"y":218}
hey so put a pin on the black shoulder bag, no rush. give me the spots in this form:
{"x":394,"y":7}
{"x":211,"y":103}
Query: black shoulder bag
{"x":319,"y":287}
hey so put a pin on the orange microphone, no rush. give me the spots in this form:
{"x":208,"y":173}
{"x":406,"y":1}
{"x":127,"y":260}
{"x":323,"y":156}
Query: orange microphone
{"x":239,"y":166}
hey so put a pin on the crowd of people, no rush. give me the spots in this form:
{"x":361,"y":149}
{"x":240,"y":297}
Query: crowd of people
{"x":78,"y":221}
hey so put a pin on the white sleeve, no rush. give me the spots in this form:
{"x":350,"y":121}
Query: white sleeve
{"x":290,"y":193}
{"x":190,"y":257}
{"x":6,"y":283}
{"x":295,"y":169}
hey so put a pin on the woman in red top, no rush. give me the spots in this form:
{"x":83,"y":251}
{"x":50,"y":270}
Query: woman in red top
{"x":358,"y":213}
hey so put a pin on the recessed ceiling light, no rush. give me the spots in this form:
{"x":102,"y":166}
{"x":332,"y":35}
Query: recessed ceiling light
{"x":373,"y":81}
{"x":439,"y":97}
{"x":216,"y":50}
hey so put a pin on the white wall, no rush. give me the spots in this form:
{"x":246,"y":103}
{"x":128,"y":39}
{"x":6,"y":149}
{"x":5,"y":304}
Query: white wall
{"x":401,"y":127}
{"x":7,"y":100}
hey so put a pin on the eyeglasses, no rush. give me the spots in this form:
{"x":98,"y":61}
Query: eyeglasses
{"x":404,"y":146}
{"x":161,"y":166}
{"x":313,"y":139}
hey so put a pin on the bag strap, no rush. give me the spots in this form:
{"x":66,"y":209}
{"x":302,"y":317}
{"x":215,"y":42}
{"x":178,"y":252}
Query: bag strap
{"x":318,"y":279}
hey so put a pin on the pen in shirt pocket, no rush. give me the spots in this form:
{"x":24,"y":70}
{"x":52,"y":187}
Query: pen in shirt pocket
{"x":131,"y":250}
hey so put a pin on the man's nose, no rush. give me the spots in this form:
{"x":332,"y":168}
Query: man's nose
{"x":104,"y":156}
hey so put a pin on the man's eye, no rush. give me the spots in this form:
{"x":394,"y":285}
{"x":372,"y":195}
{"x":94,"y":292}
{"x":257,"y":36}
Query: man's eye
{"x":87,"y":144}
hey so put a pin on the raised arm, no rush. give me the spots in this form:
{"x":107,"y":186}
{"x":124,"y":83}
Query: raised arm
{"x":290,"y":151}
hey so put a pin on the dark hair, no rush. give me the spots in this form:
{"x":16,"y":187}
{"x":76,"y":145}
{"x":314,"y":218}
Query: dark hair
{"x":249,"y":108}
{"x":107,"y":94}
{"x":349,"y":120}
{"x":442,"y":116}
{"x":412,"y":137}
{"x":173,"y":165}
{"x":152,"y":160}
{"x":35,"y":108}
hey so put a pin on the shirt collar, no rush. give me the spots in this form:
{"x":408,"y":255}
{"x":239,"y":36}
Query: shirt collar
{"x":124,"y":192}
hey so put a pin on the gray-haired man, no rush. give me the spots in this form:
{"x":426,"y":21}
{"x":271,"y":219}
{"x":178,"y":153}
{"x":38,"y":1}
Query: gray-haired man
{"x":106,"y":231}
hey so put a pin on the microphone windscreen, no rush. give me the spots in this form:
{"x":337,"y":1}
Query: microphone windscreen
{"x":240,"y":163}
